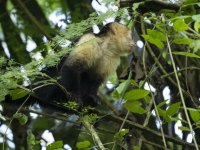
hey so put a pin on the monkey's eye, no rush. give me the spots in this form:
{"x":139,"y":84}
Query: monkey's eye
{"x":129,"y":38}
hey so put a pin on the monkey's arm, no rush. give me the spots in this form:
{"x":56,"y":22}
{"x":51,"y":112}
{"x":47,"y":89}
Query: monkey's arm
{"x":71,"y":78}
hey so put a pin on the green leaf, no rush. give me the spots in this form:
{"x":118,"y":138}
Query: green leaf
{"x":162,"y":103}
{"x":197,"y":26}
{"x":195,"y":114}
{"x":136,"y":6}
{"x":22,"y":118}
{"x":113,"y":79}
{"x":134,"y":83}
{"x":166,"y":117}
{"x":57,"y":145}
{"x":136,"y":148}
{"x":161,"y":112}
{"x":115,"y":95}
{"x":156,"y":42}
{"x":31,"y":140}
{"x":173,"y":109}
{"x":156,"y":34}
{"x":183,"y":128}
{"x":83,"y":145}
{"x":4,"y":92}
{"x":190,"y":2}
{"x":180,"y":25}
{"x":18,"y":93}
{"x":147,"y":99}
{"x":135,"y":94}
{"x":186,"y":54}
{"x":120,"y":135}
{"x":42,"y":123}
{"x":135,"y":107}
{"x":121,"y":87}
{"x":185,"y":41}
{"x":155,"y":37}
{"x":196,"y":18}
{"x":195,"y":46}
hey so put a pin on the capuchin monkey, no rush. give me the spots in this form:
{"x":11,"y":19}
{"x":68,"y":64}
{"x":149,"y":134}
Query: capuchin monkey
{"x":94,"y":58}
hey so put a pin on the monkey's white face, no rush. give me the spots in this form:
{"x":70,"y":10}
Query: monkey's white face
{"x":118,"y":41}
{"x":126,"y":43}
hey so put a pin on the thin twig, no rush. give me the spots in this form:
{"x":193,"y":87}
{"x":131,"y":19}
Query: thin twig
{"x":154,"y":133}
{"x":122,"y":95}
{"x":153,"y":99}
{"x":4,"y":138}
{"x":180,"y":70}
{"x":181,"y":93}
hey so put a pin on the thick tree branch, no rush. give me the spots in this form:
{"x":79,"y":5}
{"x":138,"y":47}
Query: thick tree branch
{"x":34,"y":20}
{"x":92,"y":131}
{"x":150,"y":5}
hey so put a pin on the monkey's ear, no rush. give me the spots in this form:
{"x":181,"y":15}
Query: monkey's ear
{"x":114,"y":27}
{"x":118,"y":28}
{"x":105,"y":29}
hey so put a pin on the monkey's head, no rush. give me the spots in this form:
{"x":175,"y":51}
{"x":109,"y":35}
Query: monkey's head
{"x":121,"y":37}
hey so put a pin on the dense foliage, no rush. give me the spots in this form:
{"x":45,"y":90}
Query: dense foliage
{"x":134,"y":112}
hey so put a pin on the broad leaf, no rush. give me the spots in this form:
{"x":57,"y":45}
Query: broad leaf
{"x":185,"y":41}
{"x":18,"y":93}
{"x":186,"y":54}
{"x":31,"y":140}
{"x":83,"y":145}
{"x":120,"y":135}
{"x":57,"y":145}
{"x":135,"y":107}
{"x":136,"y":94}
{"x":156,"y":34}
{"x":21,"y":117}
{"x":162,"y":103}
{"x":197,"y":26}
{"x":195,"y":114}
{"x":156,"y":42}
{"x":195,"y":46}
{"x":155,"y":37}
{"x":161,"y":112}
{"x":136,"y":148}
{"x":173,"y":109}
{"x":121,"y":87}
{"x":196,"y":18}
{"x":136,"y":5}
{"x":180,"y":25}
